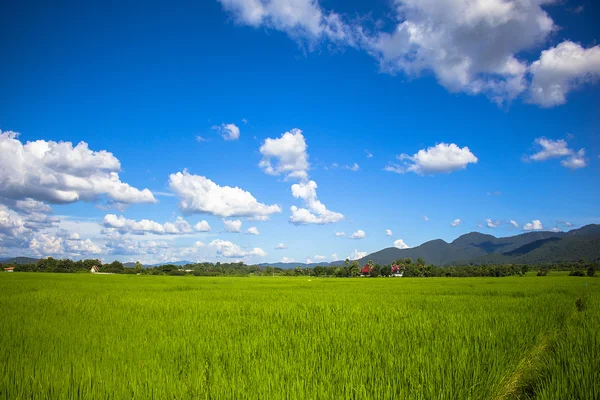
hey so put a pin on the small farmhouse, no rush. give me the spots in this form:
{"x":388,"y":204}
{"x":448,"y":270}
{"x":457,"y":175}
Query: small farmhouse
{"x":366,"y":270}
{"x":94,"y":270}
{"x":397,"y":270}
{"x":9,"y":269}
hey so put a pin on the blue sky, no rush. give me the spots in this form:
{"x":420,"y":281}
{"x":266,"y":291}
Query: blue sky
{"x":490,"y":103}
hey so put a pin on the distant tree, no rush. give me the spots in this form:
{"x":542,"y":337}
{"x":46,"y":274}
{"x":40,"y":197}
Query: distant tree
{"x":420,"y":262}
{"x":386,"y":270}
{"x":591,"y":270}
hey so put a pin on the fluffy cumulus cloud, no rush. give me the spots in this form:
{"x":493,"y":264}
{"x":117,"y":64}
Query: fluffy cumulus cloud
{"x":560,"y":70}
{"x":228,"y":131}
{"x":44,"y":244}
{"x":253,"y":231}
{"x":575,"y":161}
{"x":202,"y":226}
{"x":492,"y":224}
{"x":285,"y":155}
{"x":58,"y":172}
{"x":301,"y":19}
{"x":442,"y":158}
{"x":548,"y":148}
{"x":359,"y":234}
{"x":470,"y":46}
{"x":340,"y":234}
{"x":234,"y":226}
{"x":145,"y":226}
{"x":388,"y":232}
{"x":198,"y":194}
{"x":316,"y":212}
{"x":400,"y":244}
{"x":456,"y":222}
{"x":230,"y":250}
{"x":280,"y":246}
{"x":535,"y":225}
{"x":355,"y":255}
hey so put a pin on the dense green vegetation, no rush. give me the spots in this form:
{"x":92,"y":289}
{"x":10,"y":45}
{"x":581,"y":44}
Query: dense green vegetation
{"x":417,"y":269}
{"x":67,"y":336}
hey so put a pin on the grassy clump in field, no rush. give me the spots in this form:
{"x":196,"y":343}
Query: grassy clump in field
{"x":99,"y":337}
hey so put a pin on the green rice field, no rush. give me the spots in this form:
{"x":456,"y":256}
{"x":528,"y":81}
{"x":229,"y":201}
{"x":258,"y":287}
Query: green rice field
{"x":83,"y":336}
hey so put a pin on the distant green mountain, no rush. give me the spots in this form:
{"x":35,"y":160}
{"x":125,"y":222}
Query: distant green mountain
{"x":18,"y":260}
{"x":478,"y":248}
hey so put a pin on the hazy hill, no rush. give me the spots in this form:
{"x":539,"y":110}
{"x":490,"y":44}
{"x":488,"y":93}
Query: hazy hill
{"x":18,"y":260}
{"x":479,"y":248}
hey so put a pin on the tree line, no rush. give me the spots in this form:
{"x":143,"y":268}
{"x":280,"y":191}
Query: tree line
{"x":408,"y":268}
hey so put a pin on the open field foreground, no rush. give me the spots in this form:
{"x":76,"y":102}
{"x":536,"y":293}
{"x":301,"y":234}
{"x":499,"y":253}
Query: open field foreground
{"x":149,"y":337}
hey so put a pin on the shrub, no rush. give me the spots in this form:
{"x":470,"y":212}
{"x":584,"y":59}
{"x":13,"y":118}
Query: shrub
{"x":542,"y":272}
{"x":577,"y":272}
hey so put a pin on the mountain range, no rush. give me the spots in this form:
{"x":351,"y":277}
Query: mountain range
{"x":470,"y":249}
{"x":479,"y":248}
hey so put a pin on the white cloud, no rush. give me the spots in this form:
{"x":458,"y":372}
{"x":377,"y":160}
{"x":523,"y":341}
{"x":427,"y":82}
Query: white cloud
{"x":514,"y":223}
{"x":534,"y":225}
{"x":576,"y":161}
{"x":280,"y":246}
{"x":355,"y":167}
{"x":456,"y":222}
{"x":355,"y":255}
{"x":228,"y":131}
{"x":199,"y":244}
{"x":560,"y":70}
{"x":253,"y":231}
{"x":470,"y":45}
{"x":400,"y":244}
{"x":244,"y":121}
{"x":230,"y":250}
{"x":198,"y":194}
{"x":202,"y":226}
{"x":201,"y":139}
{"x":288,"y":153}
{"x":425,"y":217}
{"x":338,"y":234}
{"x":359,"y":234}
{"x":556,"y":149}
{"x":316,"y":213}
{"x":234,"y":226}
{"x":54,"y":172}
{"x":388,"y":232}
{"x":334,"y":257}
{"x":492,"y":224}
{"x":550,"y":149}
{"x":568,"y":223}
{"x":301,"y":19}
{"x":556,"y":229}
{"x":124,"y":225}
{"x":369,"y":154}
{"x":319,"y":258}
{"x":31,"y":206}
{"x":442,"y":158}
{"x":287,"y":260}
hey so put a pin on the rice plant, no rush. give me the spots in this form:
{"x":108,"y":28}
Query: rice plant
{"x":152,"y":337}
